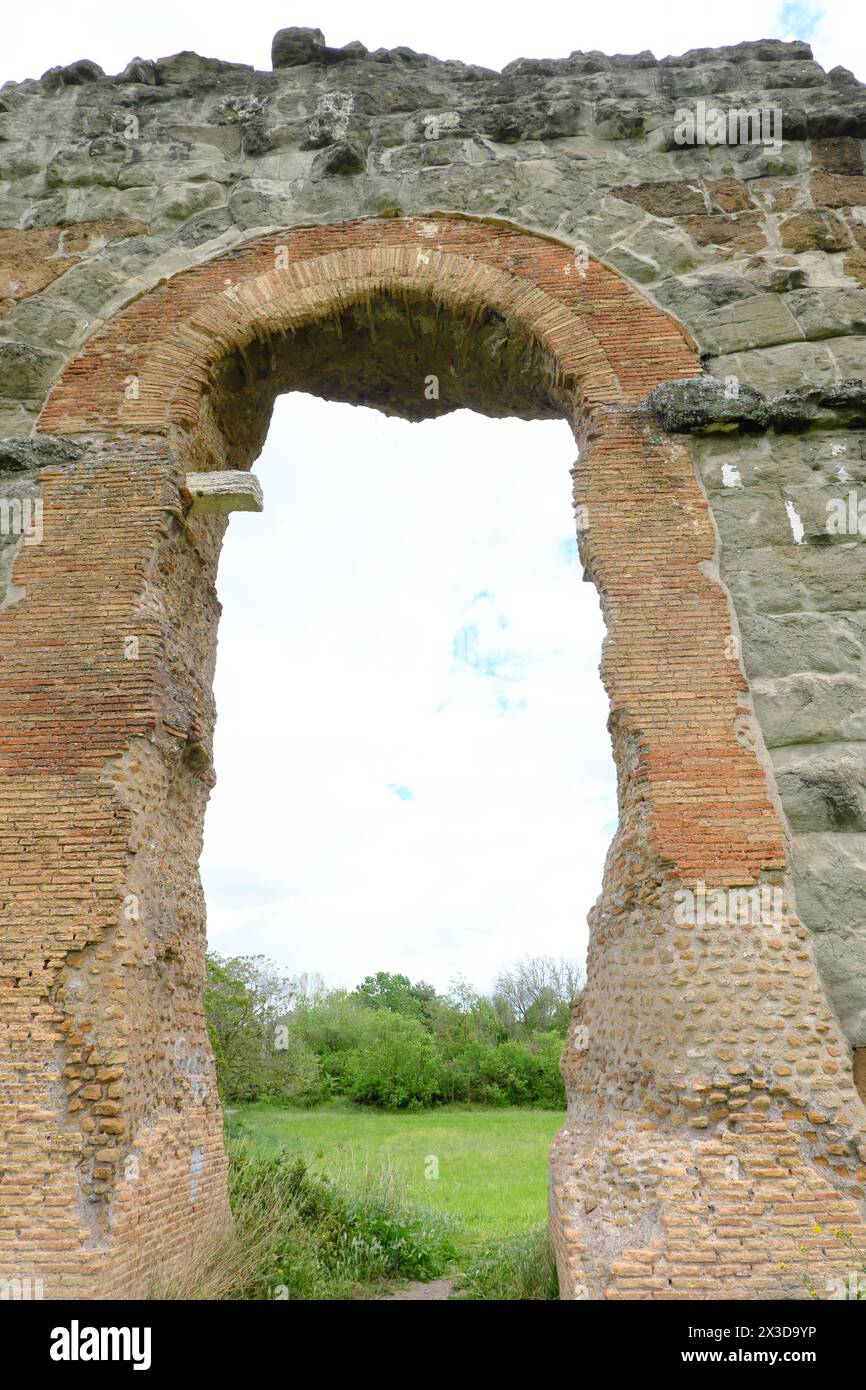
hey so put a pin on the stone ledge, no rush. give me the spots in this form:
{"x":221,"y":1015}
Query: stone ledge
{"x":706,"y":405}
{"x":228,"y":490}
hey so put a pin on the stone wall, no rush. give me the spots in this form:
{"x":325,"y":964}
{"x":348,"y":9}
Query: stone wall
{"x":541,"y":241}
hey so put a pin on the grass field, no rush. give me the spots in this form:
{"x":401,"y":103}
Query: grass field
{"x":491,"y":1164}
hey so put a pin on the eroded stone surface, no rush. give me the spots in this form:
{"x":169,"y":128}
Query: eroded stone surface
{"x":709,"y":406}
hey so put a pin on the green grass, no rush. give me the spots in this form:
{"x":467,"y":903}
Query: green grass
{"x":492,"y":1164}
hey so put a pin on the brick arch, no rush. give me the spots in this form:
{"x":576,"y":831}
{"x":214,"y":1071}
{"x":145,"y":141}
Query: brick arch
{"x":607,"y":340}
{"x":608,"y":347}
{"x":325,"y":286}
{"x":669,"y":1060}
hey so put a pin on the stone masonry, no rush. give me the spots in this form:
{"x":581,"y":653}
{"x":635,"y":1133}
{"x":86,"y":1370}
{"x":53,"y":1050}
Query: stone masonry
{"x":569,"y":238}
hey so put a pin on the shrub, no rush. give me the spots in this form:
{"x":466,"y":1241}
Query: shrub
{"x":518,"y":1072}
{"x":389,"y":1043}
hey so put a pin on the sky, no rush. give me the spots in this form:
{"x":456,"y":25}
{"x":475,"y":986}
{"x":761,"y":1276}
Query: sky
{"x":45,"y":34}
{"x":414,"y":771}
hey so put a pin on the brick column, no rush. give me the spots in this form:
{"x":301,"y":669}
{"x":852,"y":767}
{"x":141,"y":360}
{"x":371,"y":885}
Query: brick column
{"x":109,"y":1116}
{"x":713,"y":1128}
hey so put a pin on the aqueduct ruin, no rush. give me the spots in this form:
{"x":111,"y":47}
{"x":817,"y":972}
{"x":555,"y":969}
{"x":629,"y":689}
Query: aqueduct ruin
{"x":181,"y":243}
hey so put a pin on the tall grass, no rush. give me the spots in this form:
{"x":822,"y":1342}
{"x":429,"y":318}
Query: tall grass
{"x":518,"y":1267}
{"x":298,"y":1235}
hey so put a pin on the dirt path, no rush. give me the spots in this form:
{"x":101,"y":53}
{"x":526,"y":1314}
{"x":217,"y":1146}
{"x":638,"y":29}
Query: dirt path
{"x":416,"y":1292}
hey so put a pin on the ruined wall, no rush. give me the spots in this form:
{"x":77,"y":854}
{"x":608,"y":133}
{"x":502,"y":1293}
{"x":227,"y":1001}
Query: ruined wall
{"x":115,"y":187}
{"x":798,"y":588}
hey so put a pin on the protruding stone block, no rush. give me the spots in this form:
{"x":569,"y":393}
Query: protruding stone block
{"x":291,"y":48}
{"x":705,"y":404}
{"x":219,"y":493}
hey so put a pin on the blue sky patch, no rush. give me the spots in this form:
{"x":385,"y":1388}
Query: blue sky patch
{"x":800,"y":20}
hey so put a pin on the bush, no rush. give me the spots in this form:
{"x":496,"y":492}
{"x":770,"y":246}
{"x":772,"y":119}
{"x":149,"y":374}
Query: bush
{"x":513,"y":1073}
{"x":255,"y":1058}
{"x":396,"y":1064}
{"x":379,"y":1238}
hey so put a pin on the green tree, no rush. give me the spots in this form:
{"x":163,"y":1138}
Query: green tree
{"x":397,"y":1063}
{"x":395,"y":993}
{"x":389,"y":1042}
{"x":257,"y":1057}
{"x":332,"y":1028}
{"x":537,"y":993}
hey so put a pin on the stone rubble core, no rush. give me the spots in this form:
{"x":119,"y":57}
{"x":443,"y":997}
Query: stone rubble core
{"x":184,"y":242}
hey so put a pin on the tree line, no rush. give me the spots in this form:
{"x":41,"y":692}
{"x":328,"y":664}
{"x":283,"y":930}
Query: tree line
{"x":389,"y":1042}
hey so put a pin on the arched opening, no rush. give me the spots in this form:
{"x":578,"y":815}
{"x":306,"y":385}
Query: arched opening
{"x":426,"y":785}
{"x":413,"y":776}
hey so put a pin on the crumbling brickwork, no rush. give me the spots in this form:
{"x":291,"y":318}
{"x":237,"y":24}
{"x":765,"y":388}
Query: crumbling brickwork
{"x":189,"y":239}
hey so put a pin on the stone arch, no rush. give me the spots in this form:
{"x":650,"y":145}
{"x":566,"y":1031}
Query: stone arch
{"x":107,"y":756}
